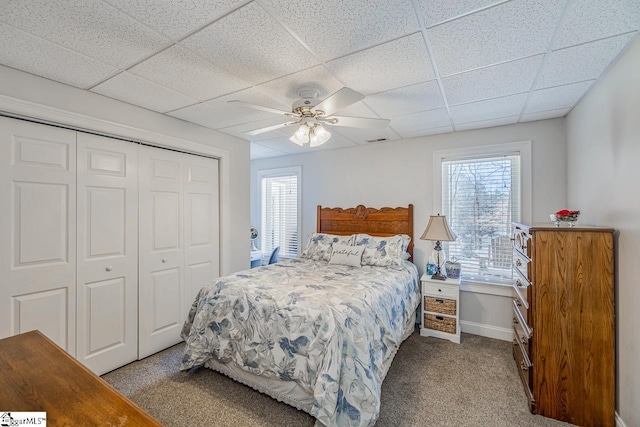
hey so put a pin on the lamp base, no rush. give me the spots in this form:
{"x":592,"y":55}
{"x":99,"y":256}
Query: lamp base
{"x":438,"y":276}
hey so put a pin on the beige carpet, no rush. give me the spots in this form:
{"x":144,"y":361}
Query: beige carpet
{"x":431,"y":382}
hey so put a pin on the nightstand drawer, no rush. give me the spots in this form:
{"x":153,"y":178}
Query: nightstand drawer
{"x":440,"y":323}
{"x":440,"y":305}
{"x":440,"y":290}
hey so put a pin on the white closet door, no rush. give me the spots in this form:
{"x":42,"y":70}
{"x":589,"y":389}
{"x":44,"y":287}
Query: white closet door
{"x":202,"y":251}
{"x":107,"y":293}
{"x":161,"y":259}
{"x":37,"y":231}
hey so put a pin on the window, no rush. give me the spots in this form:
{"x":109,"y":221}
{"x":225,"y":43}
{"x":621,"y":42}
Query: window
{"x":280,"y":210}
{"x":481,"y":193}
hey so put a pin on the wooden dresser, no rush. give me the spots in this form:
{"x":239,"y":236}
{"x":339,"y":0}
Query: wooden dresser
{"x":563,"y":315}
{"x":37,"y":375}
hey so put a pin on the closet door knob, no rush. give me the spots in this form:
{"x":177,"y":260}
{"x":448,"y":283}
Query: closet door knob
{"x":109,"y":268}
{"x":164,"y":260}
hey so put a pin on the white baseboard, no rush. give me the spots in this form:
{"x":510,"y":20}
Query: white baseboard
{"x":619,"y":422}
{"x":490,"y":331}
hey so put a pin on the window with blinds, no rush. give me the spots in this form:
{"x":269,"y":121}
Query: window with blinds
{"x":279,"y":212}
{"x":481,"y":197}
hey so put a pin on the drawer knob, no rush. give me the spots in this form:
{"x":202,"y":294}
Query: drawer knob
{"x":519,"y":263}
{"x":439,"y":290}
{"x":519,"y":283}
{"x":518,"y":303}
{"x":515,"y":321}
{"x":109,"y":268}
{"x":523,"y":366}
{"x":164,"y":260}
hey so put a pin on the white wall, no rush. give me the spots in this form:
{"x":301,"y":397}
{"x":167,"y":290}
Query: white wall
{"x":397,"y":173}
{"x":603,"y":139}
{"x":17,"y":85}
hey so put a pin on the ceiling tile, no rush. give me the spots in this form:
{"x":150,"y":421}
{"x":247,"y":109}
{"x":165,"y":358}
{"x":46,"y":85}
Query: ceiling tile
{"x":503,"y":33}
{"x":490,"y":109}
{"x":333,"y":28}
{"x":543,"y":115}
{"x":284,"y":145}
{"x":588,"y":20}
{"x":176,"y":18}
{"x":181,"y":70}
{"x":419,"y":123}
{"x":259,"y":152}
{"x":436,"y":11}
{"x":134,"y":90}
{"x":410,"y":99}
{"x":492,"y":82}
{"x":398,"y":63}
{"x":251,"y":45}
{"x":488,"y":123}
{"x":286,"y":88}
{"x":257,"y":124}
{"x":579,"y":63}
{"x":362,"y":136}
{"x":434,"y":131}
{"x":218,"y":113}
{"x":557,"y":97}
{"x":37,"y":56}
{"x":90,"y":27}
{"x":336,"y":141}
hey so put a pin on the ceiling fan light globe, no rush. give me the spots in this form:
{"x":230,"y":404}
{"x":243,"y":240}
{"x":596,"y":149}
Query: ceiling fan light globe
{"x":319,"y":136}
{"x":301,"y":136}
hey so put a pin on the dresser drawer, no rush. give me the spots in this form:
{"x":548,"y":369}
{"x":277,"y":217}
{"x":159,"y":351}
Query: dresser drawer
{"x":440,"y":290}
{"x":440,"y":323}
{"x":520,"y":321}
{"x":521,"y":309}
{"x":521,"y":263}
{"x":440,"y":305}
{"x":521,"y":282}
{"x":525,"y":370}
{"x":521,"y":240}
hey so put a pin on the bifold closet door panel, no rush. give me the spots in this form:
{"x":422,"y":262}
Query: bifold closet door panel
{"x":161,"y":256}
{"x":202,"y":219}
{"x":37,"y":231}
{"x":107,"y":293}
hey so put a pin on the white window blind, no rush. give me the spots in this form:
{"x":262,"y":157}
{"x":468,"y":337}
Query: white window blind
{"x":279,"y":214}
{"x":481,"y":197}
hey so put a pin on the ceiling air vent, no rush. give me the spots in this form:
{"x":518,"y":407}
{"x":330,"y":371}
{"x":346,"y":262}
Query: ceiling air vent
{"x":376,"y":140}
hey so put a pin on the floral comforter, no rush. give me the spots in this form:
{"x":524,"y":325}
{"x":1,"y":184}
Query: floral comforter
{"x":328,"y":327}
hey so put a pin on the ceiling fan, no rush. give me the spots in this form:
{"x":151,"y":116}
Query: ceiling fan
{"x":311,"y":114}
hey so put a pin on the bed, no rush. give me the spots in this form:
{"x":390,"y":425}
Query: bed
{"x":315,"y":334}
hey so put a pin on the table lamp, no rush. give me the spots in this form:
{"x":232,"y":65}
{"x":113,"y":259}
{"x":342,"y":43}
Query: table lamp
{"x":438,"y":230}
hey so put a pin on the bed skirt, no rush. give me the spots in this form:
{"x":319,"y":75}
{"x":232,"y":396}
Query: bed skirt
{"x":290,"y":392}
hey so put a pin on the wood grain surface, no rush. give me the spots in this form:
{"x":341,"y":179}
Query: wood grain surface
{"x":573,"y":322}
{"x":376,"y":222}
{"x":37,"y":375}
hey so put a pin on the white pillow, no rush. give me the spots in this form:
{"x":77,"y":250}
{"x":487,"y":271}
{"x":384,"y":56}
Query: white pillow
{"x":346,"y":255}
{"x":319,"y":245}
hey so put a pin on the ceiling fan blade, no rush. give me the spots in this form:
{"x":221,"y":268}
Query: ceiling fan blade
{"x":358,"y":122}
{"x":339,"y":100}
{"x":269,"y":128}
{"x":262,"y":108}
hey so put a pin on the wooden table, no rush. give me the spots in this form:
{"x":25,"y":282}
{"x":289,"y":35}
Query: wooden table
{"x":37,"y":375}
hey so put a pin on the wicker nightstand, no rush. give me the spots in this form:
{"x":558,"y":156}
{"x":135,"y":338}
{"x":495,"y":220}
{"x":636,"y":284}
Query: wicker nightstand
{"x":440,"y":308}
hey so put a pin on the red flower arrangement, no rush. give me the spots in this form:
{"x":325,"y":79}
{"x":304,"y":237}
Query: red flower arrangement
{"x":567,"y":215}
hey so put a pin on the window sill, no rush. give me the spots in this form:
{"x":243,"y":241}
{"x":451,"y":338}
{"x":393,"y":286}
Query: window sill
{"x":502,"y":290}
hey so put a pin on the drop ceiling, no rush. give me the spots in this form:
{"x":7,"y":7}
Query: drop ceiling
{"x":431,"y":66}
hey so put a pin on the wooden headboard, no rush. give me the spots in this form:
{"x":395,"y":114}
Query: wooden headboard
{"x":376,"y":222}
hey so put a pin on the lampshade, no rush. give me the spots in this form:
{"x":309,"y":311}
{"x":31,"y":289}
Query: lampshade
{"x":301,"y":136}
{"x":319,"y":135}
{"x":438,"y":229}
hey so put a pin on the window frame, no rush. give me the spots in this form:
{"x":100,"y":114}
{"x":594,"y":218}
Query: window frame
{"x":274,"y":173}
{"x":521,"y":147}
